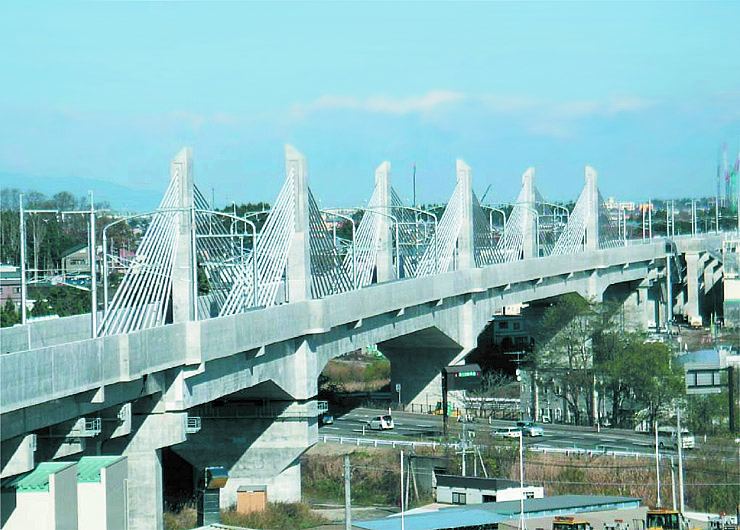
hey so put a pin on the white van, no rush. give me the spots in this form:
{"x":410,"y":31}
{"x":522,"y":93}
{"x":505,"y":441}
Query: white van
{"x":668,"y":439}
{"x":381,"y":423}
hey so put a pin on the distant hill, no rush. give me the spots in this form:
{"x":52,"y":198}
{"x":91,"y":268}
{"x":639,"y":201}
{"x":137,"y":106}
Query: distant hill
{"x":119,"y":197}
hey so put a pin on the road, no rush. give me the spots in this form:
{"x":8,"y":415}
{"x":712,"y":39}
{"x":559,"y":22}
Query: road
{"x":426,"y":426}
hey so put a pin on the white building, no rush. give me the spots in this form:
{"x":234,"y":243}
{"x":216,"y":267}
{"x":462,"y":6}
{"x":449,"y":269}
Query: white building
{"x":455,"y":489}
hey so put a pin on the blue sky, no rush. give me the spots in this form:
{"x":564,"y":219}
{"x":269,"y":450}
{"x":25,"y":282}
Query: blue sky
{"x":646,"y":92}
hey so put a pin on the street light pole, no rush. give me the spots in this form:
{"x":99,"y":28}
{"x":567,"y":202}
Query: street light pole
{"x":93,"y":264}
{"x":24,"y":291}
{"x":23,"y":261}
{"x":521,"y":480}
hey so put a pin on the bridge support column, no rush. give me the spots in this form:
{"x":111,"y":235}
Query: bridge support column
{"x":184,"y":274}
{"x":299,"y":253}
{"x":384,"y":263}
{"x":259,"y":451}
{"x":691,"y":305}
{"x":417,"y":361}
{"x":592,"y":220}
{"x":144,"y":491}
{"x":153,"y":429}
{"x":531,"y":249}
{"x":465,"y":241}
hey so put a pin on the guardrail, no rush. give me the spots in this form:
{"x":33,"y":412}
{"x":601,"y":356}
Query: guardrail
{"x":591,"y":452}
{"x":326,"y":438}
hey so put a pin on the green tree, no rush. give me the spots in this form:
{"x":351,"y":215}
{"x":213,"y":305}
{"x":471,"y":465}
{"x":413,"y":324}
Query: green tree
{"x":9,"y":316}
{"x":564,"y":350}
{"x":637,"y":371}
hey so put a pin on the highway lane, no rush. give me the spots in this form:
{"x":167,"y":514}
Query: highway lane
{"x":427,"y":426}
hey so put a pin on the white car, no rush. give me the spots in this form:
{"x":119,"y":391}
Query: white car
{"x":381,"y":423}
{"x":508,"y":432}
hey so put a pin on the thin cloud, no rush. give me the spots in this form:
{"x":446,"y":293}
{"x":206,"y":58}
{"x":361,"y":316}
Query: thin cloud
{"x":384,"y":104}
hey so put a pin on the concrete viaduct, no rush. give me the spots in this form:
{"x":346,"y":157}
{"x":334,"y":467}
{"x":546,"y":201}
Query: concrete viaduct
{"x":238,"y":388}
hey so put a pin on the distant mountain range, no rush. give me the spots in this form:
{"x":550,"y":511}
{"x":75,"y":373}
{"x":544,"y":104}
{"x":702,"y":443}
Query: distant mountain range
{"x":120,"y":198}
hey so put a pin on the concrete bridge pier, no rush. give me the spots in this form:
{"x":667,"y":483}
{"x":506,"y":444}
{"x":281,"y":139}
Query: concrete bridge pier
{"x":260,"y":446}
{"x":153,"y":429}
{"x":417,"y":361}
{"x":691,"y":305}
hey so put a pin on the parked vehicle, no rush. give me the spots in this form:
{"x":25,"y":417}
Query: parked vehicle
{"x":564,"y":522}
{"x":508,"y":432}
{"x":326,"y":419}
{"x":381,"y":423}
{"x":666,"y":519}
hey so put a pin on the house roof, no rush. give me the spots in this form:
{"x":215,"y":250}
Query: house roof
{"x":88,"y":470}
{"x":90,"y":467}
{"x":496,"y":512}
{"x":457,"y":481}
{"x":38,"y":479}
{"x":74,"y":249}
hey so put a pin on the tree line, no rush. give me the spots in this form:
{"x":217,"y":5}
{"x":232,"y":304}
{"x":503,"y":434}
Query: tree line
{"x":584,"y":357}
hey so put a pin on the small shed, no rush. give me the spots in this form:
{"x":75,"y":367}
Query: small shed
{"x":251,"y":499}
{"x":44,"y":499}
{"x":455,"y":489}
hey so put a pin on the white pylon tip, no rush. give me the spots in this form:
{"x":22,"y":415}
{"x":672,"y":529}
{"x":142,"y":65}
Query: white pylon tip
{"x":186,"y":153}
{"x":292,"y":153}
{"x":385,"y":166}
{"x":528,"y":175}
{"x":460,"y":164}
{"x":591,"y":174}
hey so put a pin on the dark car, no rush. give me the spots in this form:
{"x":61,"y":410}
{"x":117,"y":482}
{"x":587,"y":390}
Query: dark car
{"x":326,"y":419}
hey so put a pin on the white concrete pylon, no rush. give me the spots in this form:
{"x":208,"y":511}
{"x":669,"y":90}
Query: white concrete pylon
{"x":184,"y":273}
{"x":384,"y":256}
{"x":299,"y":253}
{"x":465,"y":241}
{"x":592,"y":216}
{"x":529,"y":236}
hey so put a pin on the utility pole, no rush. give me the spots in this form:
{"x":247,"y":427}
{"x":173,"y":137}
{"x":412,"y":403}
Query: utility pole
{"x":679,"y":440}
{"x":347,"y":496}
{"x":657,"y":463}
{"x":673,"y":484}
{"x":403,"y":523}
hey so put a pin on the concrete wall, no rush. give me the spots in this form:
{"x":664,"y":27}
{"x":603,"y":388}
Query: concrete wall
{"x":44,"y":333}
{"x":26,"y":510}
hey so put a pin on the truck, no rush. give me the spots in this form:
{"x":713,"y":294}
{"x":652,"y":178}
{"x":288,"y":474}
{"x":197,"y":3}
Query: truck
{"x":568,"y":522}
{"x":665,"y":519}
{"x":668,"y":438}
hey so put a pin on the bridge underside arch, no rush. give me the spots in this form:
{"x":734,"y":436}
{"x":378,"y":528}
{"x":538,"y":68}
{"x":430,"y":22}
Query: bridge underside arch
{"x":417,"y":360}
